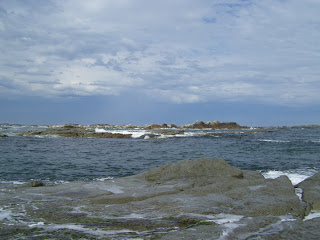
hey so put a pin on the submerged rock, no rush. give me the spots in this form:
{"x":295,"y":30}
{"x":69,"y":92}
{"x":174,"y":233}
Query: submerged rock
{"x":3,"y":135}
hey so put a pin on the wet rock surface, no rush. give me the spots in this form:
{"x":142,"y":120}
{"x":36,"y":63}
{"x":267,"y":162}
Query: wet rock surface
{"x":190,"y":199}
{"x":311,"y":191}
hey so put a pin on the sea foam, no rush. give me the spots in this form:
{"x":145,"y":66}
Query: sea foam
{"x":294,"y":176}
{"x":5,"y":214}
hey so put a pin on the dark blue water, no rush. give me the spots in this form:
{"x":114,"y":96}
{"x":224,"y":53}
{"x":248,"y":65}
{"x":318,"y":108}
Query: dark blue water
{"x":25,"y":158}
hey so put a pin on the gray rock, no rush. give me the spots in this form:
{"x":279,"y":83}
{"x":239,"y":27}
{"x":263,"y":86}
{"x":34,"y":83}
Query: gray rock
{"x":207,"y":186}
{"x":35,"y":183}
{"x":190,"y":199}
{"x":311,"y":191}
{"x":192,"y":169}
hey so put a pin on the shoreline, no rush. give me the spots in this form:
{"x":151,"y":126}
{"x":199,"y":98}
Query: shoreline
{"x":201,"y":198}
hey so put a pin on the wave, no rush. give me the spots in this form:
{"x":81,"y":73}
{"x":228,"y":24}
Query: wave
{"x":134,"y":133}
{"x":13,"y":182}
{"x":295,"y":176}
{"x":150,"y":134}
{"x":273,"y":140}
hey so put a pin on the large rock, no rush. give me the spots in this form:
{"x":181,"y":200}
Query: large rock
{"x":214,"y":184}
{"x":311,"y":191}
{"x":191,"y":169}
{"x":190,"y":199}
{"x":206,"y":186}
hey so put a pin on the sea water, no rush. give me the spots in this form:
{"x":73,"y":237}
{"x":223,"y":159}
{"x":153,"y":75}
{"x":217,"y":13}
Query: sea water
{"x":290,"y":151}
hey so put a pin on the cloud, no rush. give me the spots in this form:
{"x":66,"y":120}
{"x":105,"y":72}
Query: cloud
{"x":175,"y":51}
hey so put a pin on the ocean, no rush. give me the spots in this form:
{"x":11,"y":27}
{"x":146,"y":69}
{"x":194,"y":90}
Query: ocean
{"x":294,"y":152}
{"x":84,"y":196}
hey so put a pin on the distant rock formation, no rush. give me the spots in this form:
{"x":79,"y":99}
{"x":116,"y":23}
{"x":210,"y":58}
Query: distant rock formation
{"x":75,"y":132}
{"x":213,"y":125}
{"x":85,"y":131}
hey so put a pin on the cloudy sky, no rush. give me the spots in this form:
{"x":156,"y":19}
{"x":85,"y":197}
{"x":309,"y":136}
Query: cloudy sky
{"x":176,"y":61}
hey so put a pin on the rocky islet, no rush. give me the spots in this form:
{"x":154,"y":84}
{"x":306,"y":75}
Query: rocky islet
{"x":89,"y":131}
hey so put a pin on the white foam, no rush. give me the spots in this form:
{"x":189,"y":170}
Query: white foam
{"x":272,"y":140}
{"x":312,"y":214}
{"x":5,"y":214}
{"x":13,"y":182}
{"x":36,"y":224}
{"x":100,"y":130}
{"x":229,"y":227}
{"x":134,"y":133}
{"x":221,"y":218}
{"x":96,"y":232}
{"x":295,"y":177}
{"x":46,"y":136}
{"x":133,"y":216}
{"x":299,"y":192}
{"x":103,"y":179}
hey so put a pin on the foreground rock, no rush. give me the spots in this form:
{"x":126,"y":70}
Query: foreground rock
{"x":198,"y":199}
{"x":311,"y":191}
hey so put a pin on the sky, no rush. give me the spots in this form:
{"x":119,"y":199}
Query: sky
{"x":171,"y":61}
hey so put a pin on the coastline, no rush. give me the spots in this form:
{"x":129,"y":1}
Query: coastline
{"x":201,"y":198}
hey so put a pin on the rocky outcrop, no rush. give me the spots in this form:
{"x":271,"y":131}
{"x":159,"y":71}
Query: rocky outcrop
{"x":75,"y":132}
{"x":168,"y":132}
{"x":227,"y":188}
{"x":81,"y":131}
{"x":34,"y":183}
{"x":190,"y":199}
{"x":192,"y":169}
{"x":213,"y":125}
{"x":311,"y":191}
{"x":197,"y":125}
{"x":156,"y":126}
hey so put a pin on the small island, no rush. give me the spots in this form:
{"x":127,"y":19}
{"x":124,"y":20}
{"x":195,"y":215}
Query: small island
{"x":101,"y":130}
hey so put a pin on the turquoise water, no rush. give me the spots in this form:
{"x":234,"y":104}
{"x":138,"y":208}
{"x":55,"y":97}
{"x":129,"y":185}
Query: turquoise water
{"x":294,"y":151}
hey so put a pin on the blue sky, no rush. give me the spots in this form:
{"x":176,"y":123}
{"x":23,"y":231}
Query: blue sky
{"x":175,"y":61}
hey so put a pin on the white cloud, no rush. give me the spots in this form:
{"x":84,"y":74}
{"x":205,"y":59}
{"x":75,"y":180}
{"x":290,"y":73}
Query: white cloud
{"x":175,"y":51}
